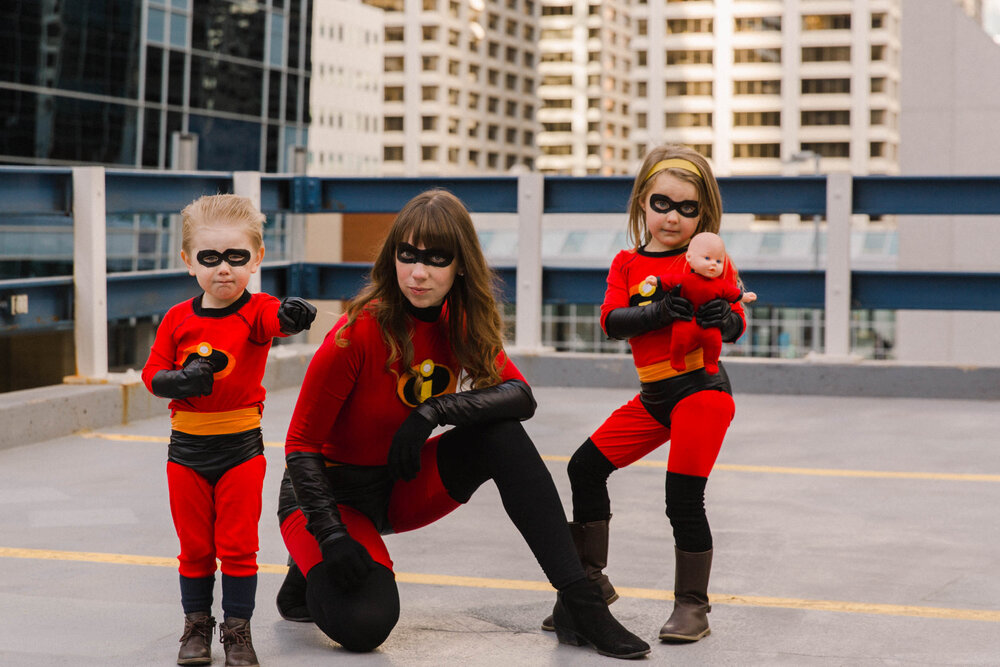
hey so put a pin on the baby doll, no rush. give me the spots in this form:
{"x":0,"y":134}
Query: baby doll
{"x":706,"y":255}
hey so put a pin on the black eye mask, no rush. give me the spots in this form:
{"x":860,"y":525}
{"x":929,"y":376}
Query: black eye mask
{"x":664,"y":204}
{"x":231,"y":256}
{"x":439,"y":257}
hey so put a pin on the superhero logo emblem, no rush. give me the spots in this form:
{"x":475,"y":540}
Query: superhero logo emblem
{"x":430,"y":380}
{"x":222,"y":362}
{"x":644,"y":294}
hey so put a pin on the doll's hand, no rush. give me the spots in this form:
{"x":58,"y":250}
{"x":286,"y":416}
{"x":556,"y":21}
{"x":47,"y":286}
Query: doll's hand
{"x":195,"y":379}
{"x":748,"y":297}
{"x":347,"y":562}
{"x":713,"y":314}
{"x":295,"y":315}
{"x":404,"y":453}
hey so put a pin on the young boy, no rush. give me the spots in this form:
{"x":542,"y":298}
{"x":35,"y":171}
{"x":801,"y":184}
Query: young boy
{"x":209,"y":357}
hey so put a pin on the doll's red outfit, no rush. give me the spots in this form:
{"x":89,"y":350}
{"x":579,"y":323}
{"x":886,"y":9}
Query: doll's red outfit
{"x":687,"y":336}
{"x":215,"y":466}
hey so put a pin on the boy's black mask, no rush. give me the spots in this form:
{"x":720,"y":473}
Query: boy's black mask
{"x":231,"y":256}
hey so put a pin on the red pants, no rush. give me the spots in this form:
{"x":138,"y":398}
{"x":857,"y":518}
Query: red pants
{"x":217,"y":521}
{"x":698,"y":425}
{"x":412,"y":505}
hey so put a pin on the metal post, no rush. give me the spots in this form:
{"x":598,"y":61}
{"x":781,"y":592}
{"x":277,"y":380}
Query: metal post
{"x":90,"y":284}
{"x":247,"y":184}
{"x":838,"y":265}
{"x":530,"y":203}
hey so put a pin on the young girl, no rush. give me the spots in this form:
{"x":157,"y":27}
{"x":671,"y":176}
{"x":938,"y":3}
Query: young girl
{"x":360,"y":459}
{"x":675,"y":196}
{"x":209,"y":356}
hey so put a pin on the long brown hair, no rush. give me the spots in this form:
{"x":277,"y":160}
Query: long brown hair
{"x":437,"y":219}
{"x":708,"y":191}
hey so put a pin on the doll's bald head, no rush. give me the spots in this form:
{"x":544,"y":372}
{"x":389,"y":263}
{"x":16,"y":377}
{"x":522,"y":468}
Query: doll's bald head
{"x":706,"y":254}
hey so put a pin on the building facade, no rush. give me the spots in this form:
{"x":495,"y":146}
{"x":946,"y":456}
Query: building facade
{"x":128,"y":83}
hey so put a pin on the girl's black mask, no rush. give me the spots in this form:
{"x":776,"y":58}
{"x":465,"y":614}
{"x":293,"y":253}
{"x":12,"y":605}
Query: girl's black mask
{"x":664,"y":204}
{"x":439,"y":257}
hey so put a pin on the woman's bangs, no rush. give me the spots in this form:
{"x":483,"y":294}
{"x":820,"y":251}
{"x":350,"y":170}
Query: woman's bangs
{"x":431,"y":229}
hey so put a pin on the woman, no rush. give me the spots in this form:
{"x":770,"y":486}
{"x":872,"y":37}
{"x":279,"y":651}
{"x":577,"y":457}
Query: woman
{"x":360,"y":462}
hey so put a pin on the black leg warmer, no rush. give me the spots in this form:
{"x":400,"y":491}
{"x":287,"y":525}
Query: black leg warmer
{"x":588,"y":472}
{"x":685,"y":496}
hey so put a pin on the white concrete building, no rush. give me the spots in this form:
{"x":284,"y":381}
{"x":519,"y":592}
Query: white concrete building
{"x":459,"y":86}
{"x":585,"y":91}
{"x":345,"y":97}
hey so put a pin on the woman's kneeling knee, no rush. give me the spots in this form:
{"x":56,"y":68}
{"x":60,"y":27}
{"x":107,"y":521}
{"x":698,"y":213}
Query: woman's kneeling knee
{"x":361,"y":619}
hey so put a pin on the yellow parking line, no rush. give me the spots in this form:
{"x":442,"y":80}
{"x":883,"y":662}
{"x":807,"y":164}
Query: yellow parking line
{"x":731,"y":467}
{"x":987,"y":615}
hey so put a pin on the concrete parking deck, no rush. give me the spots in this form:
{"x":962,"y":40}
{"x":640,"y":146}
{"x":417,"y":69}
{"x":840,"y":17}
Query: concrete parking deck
{"x":848,"y":531}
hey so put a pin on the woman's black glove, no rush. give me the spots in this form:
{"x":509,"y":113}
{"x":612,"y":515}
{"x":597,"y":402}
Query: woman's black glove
{"x":348,"y":563}
{"x":295,"y":315}
{"x":307,"y":470}
{"x":629,"y":322}
{"x":718,"y":314}
{"x":195,"y":379}
{"x":404,"y":452}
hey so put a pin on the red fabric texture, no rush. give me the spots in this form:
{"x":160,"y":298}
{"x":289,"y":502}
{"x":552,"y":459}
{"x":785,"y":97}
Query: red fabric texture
{"x":687,"y":336}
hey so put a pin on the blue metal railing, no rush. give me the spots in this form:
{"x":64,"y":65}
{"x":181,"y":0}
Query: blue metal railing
{"x":48,"y":192}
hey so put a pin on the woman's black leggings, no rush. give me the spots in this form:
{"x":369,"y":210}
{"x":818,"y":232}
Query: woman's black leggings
{"x":468,"y":456}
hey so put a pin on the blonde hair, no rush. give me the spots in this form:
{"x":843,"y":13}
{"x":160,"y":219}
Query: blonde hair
{"x":437,"y":219}
{"x":709,"y":198}
{"x":220,"y":210}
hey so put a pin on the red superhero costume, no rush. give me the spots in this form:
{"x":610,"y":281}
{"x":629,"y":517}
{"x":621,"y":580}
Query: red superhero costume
{"x":215,"y":467}
{"x":687,"y":336}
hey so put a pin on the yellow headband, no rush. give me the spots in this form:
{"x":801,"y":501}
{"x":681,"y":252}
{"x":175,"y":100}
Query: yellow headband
{"x":677,"y":163}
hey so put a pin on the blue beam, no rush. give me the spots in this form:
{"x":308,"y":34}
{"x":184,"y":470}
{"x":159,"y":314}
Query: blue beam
{"x":133,"y":191}
{"x":388,"y":195}
{"x":35,"y":190}
{"x":50,"y":304}
{"x":926,"y":195}
{"x":911,"y":290}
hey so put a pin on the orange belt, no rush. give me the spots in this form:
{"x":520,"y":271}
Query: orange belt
{"x":663,"y":370}
{"x":216,"y":423}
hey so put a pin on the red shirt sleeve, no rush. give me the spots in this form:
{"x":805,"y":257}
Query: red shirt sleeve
{"x":616,"y":294}
{"x":508,"y":371}
{"x":329,"y":380}
{"x":164,"y":350}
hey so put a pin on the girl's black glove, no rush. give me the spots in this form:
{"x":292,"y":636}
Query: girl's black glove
{"x":404,"y":452}
{"x":631,"y":321}
{"x":295,"y":315}
{"x":718,"y":314}
{"x":195,"y":379}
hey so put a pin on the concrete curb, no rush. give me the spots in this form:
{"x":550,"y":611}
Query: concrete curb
{"x":35,"y":415}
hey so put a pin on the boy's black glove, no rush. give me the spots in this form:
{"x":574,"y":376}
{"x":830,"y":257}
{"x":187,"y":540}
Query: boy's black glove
{"x":404,"y":453}
{"x":348,"y":563}
{"x":623,"y":323}
{"x":195,"y":379}
{"x":718,"y":314}
{"x":295,"y":315}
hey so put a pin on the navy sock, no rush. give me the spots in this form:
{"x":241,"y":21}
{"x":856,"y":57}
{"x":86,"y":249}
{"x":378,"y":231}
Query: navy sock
{"x":238,"y":595}
{"x":196,"y":594}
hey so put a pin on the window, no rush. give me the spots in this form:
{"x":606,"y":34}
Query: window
{"x":826,"y":22}
{"x":557,"y":150}
{"x":878,"y":84}
{"x":511,"y":135}
{"x":679,"y":26}
{"x":557,"y":127}
{"x":757,"y":118}
{"x":492,"y":132}
{"x":454,"y":68}
{"x":704,"y":149}
{"x":878,"y":52}
{"x":876,"y":149}
{"x":832,"y":117}
{"x":393,"y":64}
{"x":510,"y":81}
{"x":430,"y":33}
{"x":640,"y":89}
{"x":511,"y":109}
{"x":473,"y":101}
{"x":453,"y":155}
{"x":429,"y":63}
{"x":826,"y":86}
{"x":766,"y":87}
{"x":758,"y":24}
{"x":557,"y":80}
{"x":829,"y":148}
{"x":878,"y":20}
{"x":641,"y":120}
{"x":826,"y":54}
{"x":428,"y":93}
{"x":393,"y":33}
{"x":757,"y":150}
{"x":392,"y":124}
{"x":876,"y":117}
{"x":429,"y":153}
{"x":557,"y":103}
{"x":392,"y":154}
{"x":564,"y":10}
{"x":757,"y":55}
{"x":674,"y":88}
{"x":688,"y":119}
{"x":392,"y":93}
{"x":429,"y":123}
{"x":689,"y":57}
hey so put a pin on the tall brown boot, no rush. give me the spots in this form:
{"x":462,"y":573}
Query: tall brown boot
{"x":689,"y":620}
{"x":196,"y":642}
{"x":591,"y":541}
{"x":236,"y":640}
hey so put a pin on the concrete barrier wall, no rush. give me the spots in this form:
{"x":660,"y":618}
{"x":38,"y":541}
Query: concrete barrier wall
{"x":44,"y":413}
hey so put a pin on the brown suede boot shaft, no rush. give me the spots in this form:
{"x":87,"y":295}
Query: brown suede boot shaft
{"x":236,"y":640}
{"x":689,"y":620}
{"x":196,"y":641}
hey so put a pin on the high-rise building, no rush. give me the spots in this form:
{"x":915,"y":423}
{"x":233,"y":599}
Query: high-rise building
{"x":459,"y":86}
{"x":345,"y":137}
{"x":122,"y":82}
{"x":585,"y":91}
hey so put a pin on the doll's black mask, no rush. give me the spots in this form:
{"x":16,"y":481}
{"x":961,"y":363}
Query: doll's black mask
{"x":439,"y":257}
{"x":231,"y":256}
{"x":663,"y":204}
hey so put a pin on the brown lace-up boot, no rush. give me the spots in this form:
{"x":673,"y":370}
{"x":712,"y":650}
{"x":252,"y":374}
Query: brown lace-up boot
{"x":591,"y":541}
{"x":196,"y":642}
{"x":689,"y":620}
{"x":235,"y":635}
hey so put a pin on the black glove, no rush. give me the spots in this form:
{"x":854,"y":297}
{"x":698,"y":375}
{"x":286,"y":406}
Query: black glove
{"x":195,"y":379}
{"x":404,"y":453}
{"x":623,"y":323}
{"x":295,"y":315}
{"x":511,"y":399}
{"x":315,"y":498}
{"x":348,"y":563}
{"x":718,"y":314}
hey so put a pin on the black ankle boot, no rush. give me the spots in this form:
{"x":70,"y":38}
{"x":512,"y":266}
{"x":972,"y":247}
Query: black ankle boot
{"x":581,"y":616}
{"x":292,"y":596}
{"x":196,"y":642}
